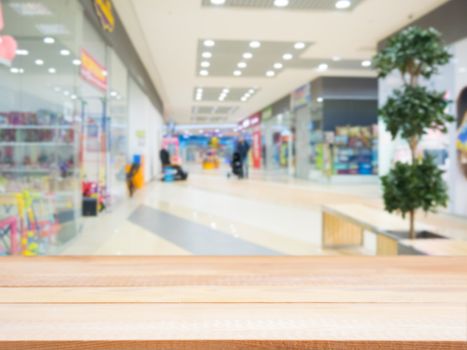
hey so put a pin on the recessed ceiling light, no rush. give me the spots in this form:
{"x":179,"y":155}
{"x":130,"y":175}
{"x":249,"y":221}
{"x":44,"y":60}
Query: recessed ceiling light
{"x":343,"y":4}
{"x":30,"y":9}
{"x":14,"y":70}
{"x":241,"y":65}
{"x":50,"y":29}
{"x":287,"y":56}
{"x":247,"y":55}
{"x":336,"y":58}
{"x":209,"y":43}
{"x":322,"y":67}
{"x":198,"y":98}
{"x":65,"y":52}
{"x":270,"y":73}
{"x":251,"y":91}
{"x":39,"y":62}
{"x":205,"y":64}
{"x":243,"y":99}
{"x":22,"y":52}
{"x":206,"y":54}
{"x":52,"y":70}
{"x":114,"y":93}
{"x":299,"y":46}
{"x":278,"y":65}
{"x":204,"y":73}
{"x":66,"y":93}
{"x":366,"y":63}
{"x":73,"y":97}
{"x":218,"y":2}
{"x":76,"y":62}
{"x":49,"y":40}
{"x":281,"y":3}
{"x":225,"y":91}
{"x":320,"y":99}
{"x":237,"y":73}
{"x":255,"y":44}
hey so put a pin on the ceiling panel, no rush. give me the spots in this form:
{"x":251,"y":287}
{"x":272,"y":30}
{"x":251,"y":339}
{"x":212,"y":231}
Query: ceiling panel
{"x":304,"y":5}
{"x":211,"y":94}
{"x":228,"y":54}
{"x":174,"y":61}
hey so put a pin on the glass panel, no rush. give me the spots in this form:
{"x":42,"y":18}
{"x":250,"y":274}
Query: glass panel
{"x":39,"y":181}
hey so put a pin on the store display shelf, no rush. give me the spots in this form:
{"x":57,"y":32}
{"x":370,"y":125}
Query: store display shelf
{"x":25,"y":170}
{"x":47,"y":144}
{"x":36,"y":127}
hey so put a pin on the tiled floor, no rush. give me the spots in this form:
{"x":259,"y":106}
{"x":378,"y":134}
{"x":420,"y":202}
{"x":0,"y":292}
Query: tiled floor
{"x":213,"y":215}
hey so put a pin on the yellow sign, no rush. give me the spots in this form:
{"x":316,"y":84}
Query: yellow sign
{"x":104,"y":10}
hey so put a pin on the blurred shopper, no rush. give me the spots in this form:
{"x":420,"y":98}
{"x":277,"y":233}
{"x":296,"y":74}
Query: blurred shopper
{"x":242,"y":148}
{"x":166,"y":163}
{"x":237,"y":166}
{"x":130,"y":178}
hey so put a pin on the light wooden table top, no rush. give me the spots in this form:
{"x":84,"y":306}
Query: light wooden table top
{"x":233,"y":303}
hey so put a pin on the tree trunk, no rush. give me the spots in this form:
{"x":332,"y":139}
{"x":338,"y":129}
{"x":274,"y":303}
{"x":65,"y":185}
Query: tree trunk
{"x":412,"y":233}
{"x":413,"y":143}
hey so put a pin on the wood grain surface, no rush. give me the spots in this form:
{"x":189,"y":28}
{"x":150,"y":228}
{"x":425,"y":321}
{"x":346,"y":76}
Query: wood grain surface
{"x":233,"y":303}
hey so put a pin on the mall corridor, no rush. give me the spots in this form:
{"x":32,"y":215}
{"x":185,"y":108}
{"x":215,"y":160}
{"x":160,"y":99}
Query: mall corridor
{"x":233,"y":174}
{"x":213,"y":215}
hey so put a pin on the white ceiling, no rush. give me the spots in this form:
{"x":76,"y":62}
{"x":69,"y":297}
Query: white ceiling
{"x":167,"y":34}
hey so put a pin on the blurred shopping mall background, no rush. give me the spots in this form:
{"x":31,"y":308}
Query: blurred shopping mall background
{"x":89,"y":88}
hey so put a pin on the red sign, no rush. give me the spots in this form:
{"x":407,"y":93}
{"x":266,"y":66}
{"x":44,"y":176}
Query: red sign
{"x":250,"y":122}
{"x":92,"y":71}
{"x":256,"y":149}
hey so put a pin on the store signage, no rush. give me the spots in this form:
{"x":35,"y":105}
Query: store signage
{"x":301,"y":96}
{"x":256,"y":149}
{"x":141,"y":137}
{"x":461,"y":144}
{"x":266,"y":114}
{"x":92,"y":71}
{"x":250,"y":122}
{"x":461,"y":139}
{"x":104,"y":11}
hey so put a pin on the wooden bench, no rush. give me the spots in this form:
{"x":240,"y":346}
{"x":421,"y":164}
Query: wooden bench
{"x":347,"y":225}
{"x":233,"y":303}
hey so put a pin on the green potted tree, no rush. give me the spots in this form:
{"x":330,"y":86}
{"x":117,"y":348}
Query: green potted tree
{"x":409,"y":113}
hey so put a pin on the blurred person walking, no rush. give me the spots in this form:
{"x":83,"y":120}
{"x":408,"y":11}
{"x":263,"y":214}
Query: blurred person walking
{"x":242,"y":148}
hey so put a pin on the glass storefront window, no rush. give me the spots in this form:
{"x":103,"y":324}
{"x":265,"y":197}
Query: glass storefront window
{"x":40,"y":201}
{"x":63,"y":124}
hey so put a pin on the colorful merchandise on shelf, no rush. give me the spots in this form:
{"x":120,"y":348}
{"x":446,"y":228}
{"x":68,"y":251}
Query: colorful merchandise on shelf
{"x":30,"y":225}
{"x":38,"y":182}
{"x":211,"y":160}
{"x":91,"y":189}
{"x":355,"y":150}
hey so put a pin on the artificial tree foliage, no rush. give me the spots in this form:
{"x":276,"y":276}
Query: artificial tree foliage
{"x":409,"y":113}
{"x":408,"y":187}
{"x":414,"y":51}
